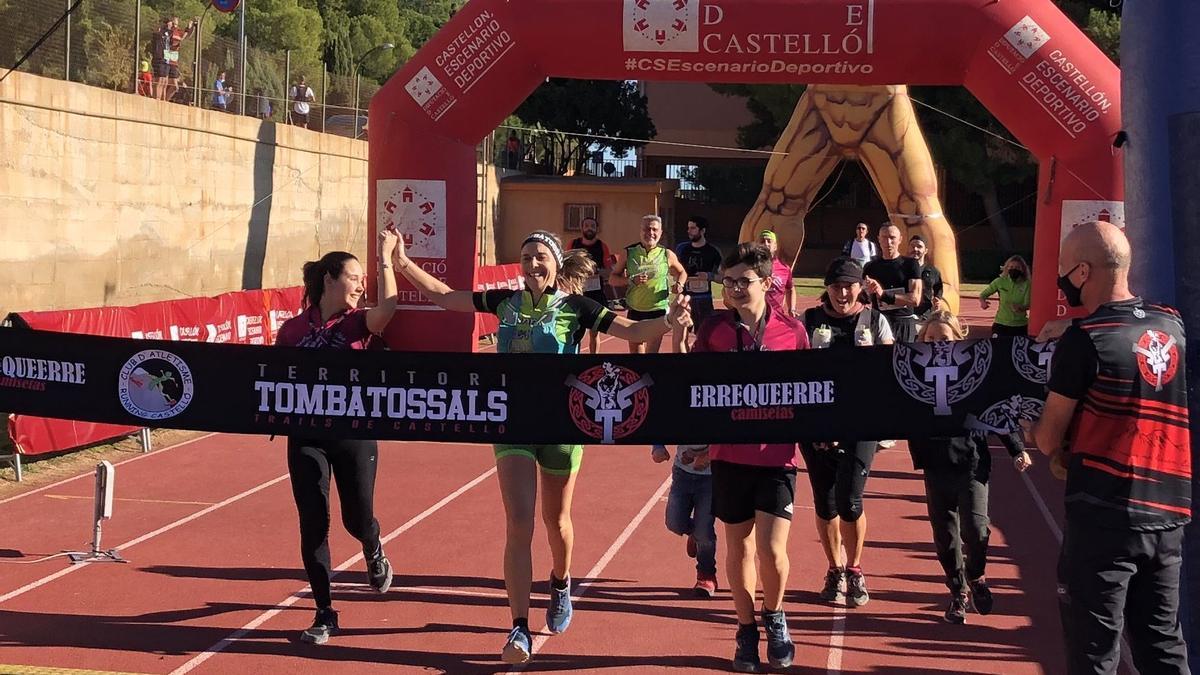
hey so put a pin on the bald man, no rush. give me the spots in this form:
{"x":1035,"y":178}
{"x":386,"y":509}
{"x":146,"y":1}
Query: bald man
{"x":1116,"y":427}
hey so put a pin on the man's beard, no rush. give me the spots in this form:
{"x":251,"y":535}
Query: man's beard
{"x":589,"y":234}
{"x":696,"y":237}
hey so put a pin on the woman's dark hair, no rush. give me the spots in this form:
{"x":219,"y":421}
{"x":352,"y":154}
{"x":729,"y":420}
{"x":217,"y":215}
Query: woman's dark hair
{"x":332,"y":263}
{"x":755,"y":256}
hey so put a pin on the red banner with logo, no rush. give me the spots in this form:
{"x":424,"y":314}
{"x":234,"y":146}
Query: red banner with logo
{"x":244,"y":317}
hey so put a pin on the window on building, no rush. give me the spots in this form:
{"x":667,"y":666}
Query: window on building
{"x":575,"y":213}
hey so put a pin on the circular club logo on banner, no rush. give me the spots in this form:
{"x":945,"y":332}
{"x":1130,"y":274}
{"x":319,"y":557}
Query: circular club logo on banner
{"x":941,"y":373}
{"x":608,"y":402}
{"x":226,"y":5}
{"x":155,"y":385}
{"x":1032,"y":359}
{"x":1157,"y":358}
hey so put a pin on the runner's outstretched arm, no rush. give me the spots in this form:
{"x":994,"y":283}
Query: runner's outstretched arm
{"x":435,"y":289}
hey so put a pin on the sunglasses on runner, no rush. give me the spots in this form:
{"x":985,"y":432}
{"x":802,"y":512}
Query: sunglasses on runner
{"x":740,"y":284}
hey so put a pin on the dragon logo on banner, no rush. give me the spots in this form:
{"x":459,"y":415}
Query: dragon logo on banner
{"x":1005,"y":416}
{"x":600,"y":398}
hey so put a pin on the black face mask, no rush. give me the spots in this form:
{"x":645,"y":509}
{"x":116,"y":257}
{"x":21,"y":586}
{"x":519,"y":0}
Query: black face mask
{"x":1016,"y":275}
{"x":1073,"y":293}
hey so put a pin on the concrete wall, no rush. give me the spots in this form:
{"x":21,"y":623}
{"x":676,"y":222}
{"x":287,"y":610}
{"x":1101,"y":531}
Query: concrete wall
{"x":112,"y":199}
{"x":530,"y":203}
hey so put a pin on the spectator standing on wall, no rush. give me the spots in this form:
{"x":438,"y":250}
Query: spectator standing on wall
{"x":145,"y":80}
{"x":302,"y":97}
{"x":171,"y":55}
{"x":265,"y":110}
{"x":221,"y":93}
{"x":160,"y":48}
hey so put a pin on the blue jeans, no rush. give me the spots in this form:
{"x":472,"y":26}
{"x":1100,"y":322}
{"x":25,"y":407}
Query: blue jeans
{"x":689,"y":511}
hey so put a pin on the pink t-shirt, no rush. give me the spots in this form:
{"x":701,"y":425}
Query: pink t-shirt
{"x":724,"y":332}
{"x":346,"y":330}
{"x":781,"y":278}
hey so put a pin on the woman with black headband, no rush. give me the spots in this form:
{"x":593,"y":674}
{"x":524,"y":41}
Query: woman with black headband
{"x":539,"y":319}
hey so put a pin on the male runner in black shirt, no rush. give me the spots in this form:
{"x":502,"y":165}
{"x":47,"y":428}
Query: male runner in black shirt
{"x":894,"y":282}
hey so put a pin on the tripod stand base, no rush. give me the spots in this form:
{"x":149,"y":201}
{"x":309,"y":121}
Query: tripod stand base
{"x":110,"y":555}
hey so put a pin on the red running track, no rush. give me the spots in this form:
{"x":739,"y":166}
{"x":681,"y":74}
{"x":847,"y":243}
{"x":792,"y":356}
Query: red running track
{"x":215,"y":583}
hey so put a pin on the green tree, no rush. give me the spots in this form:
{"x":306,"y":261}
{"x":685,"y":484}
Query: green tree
{"x":592,"y":113}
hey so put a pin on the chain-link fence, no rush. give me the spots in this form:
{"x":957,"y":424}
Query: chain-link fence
{"x":126,"y":45}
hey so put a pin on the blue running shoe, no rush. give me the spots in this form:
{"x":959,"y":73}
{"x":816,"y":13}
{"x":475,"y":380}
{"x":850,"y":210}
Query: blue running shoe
{"x":780,"y":650}
{"x":518,"y":648}
{"x":558,"y":614}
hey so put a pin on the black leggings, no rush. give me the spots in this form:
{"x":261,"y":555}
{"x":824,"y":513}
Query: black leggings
{"x":838,"y":477}
{"x":353,"y":465}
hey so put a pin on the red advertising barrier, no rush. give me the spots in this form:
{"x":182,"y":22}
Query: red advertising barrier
{"x":244,"y":317}
{"x":492,"y":277}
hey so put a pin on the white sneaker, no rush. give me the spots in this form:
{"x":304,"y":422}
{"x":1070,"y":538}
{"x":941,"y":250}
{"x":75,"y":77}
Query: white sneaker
{"x":887,"y":444}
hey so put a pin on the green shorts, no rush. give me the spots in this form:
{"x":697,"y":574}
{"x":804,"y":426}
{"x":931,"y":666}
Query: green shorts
{"x":562,"y":460}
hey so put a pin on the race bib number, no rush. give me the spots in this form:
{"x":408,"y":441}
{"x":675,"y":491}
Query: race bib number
{"x":171,"y":55}
{"x":592,"y":283}
{"x":697,"y":285}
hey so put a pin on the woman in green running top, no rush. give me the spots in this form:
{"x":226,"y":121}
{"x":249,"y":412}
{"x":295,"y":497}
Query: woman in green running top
{"x":541,"y":319}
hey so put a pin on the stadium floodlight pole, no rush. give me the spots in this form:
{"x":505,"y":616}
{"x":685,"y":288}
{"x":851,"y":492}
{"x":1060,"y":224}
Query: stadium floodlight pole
{"x":357,"y":77}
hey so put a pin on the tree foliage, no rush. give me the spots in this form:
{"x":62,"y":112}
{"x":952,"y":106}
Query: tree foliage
{"x":591,"y":113}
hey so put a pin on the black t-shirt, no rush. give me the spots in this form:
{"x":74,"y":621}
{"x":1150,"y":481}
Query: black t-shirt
{"x":706,"y":258}
{"x":931,"y":287}
{"x":596,"y":250}
{"x":894,"y":276}
{"x":1074,"y":365}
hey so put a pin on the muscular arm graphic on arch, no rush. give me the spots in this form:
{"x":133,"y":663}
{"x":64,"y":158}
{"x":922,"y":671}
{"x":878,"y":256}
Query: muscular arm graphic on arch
{"x":878,"y":125}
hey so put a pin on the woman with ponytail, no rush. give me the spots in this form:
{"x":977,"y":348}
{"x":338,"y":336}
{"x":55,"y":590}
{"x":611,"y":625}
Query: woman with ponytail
{"x":542,"y":318}
{"x":332,"y":319}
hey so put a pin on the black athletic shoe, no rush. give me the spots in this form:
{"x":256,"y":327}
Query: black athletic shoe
{"x":856,"y":589}
{"x":379,"y":573}
{"x":780,"y":650}
{"x":981,"y":595}
{"x":957,"y":611}
{"x":325,"y":625}
{"x":745,"y":656}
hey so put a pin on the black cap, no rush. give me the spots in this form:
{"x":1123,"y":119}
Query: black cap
{"x":844,"y":271}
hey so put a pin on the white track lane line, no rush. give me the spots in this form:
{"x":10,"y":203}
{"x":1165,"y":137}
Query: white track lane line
{"x":295,"y":597}
{"x":152,"y":453}
{"x":149,"y":535}
{"x":598,"y":568}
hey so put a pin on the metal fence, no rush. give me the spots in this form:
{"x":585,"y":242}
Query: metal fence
{"x":111,"y":44}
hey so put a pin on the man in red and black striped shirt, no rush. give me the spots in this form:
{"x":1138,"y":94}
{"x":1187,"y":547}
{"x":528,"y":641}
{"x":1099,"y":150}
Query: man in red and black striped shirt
{"x":1116,"y":426}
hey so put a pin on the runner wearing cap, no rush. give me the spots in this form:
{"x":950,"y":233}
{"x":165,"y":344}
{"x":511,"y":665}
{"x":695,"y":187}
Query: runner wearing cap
{"x":541,"y":319}
{"x":837,"y":470}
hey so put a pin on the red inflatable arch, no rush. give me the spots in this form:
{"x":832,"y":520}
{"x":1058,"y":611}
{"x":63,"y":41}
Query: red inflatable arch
{"x":1023,"y":59}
